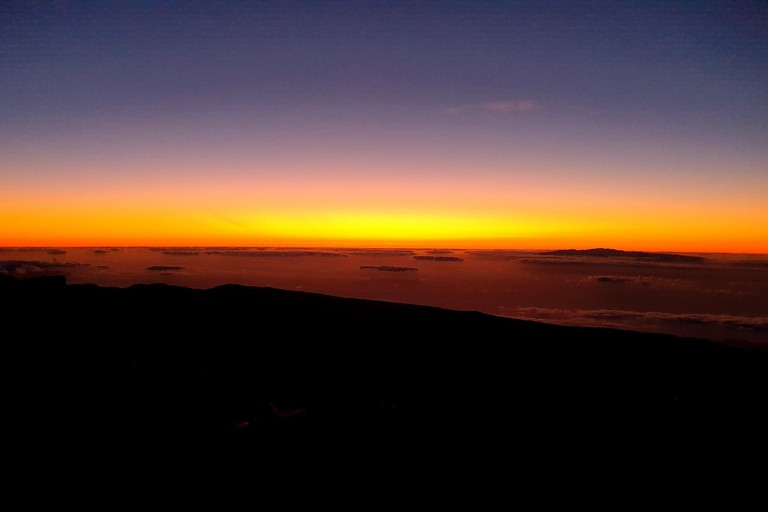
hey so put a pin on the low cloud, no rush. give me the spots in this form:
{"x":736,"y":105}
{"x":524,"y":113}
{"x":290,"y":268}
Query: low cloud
{"x":181,"y":253}
{"x":24,"y":249}
{"x":208,"y":248}
{"x":752,"y":264}
{"x":632,"y":319}
{"x":275,"y":254}
{"x":609,"y":279}
{"x":382,"y":253}
{"x":497,"y":254}
{"x":23,"y":267}
{"x":564,"y":261}
{"x":387,"y":268}
{"x":605,"y":261}
{"x":636,"y":255}
{"x":164,"y":268}
{"x":642,"y":280}
{"x":438,"y":258}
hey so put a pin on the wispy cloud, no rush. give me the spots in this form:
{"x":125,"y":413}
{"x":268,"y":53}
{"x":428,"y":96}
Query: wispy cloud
{"x":498,"y":107}
{"x":505,"y":107}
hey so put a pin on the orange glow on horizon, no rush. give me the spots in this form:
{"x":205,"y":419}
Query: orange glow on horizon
{"x":398,"y":212}
{"x":375,"y":229}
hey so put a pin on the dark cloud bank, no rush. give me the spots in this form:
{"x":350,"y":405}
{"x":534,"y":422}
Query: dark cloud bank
{"x":438,"y":258}
{"x":387,"y":268}
{"x":637,"y":255}
{"x":381,"y":253}
{"x":181,"y":253}
{"x":277,"y":254}
{"x":23,"y":267}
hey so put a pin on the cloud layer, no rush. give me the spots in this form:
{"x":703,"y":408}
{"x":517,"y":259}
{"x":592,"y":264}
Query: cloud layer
{"x":625,"y":319}
{"x":387,"y":268}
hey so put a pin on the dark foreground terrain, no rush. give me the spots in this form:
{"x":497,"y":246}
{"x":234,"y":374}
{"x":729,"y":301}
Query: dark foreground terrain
{"x":151,"y":371}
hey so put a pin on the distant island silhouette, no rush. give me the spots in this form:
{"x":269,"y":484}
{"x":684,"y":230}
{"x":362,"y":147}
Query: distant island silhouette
{"x":616,"y":253}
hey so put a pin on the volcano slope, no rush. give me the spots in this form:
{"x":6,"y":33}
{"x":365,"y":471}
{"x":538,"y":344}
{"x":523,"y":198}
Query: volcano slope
{"x":119,"y":373}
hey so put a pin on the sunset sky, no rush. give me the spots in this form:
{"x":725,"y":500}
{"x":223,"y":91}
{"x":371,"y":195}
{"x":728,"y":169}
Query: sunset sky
{"x":639,"y":126}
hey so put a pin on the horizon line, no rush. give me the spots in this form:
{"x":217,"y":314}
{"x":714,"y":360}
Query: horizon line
{"x":358,"y":247}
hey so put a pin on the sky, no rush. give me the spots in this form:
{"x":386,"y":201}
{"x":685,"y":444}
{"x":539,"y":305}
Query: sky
{"x":634,"y":125}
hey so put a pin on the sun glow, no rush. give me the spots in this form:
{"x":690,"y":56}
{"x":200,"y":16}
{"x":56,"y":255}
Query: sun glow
{"x":376,"y":213}
{"x":175,"y":225}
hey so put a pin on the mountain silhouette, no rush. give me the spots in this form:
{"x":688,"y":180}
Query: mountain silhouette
{"x":247,"y":370}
